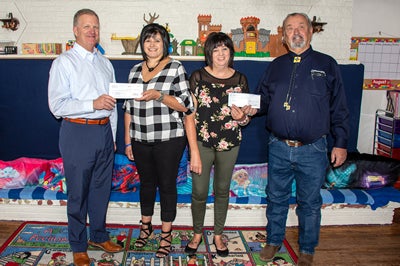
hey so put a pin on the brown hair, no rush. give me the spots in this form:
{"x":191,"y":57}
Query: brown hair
{"x":217,"y":39}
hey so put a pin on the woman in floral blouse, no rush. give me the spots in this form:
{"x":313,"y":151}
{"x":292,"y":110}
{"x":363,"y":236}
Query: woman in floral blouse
{"x":218,"y":134}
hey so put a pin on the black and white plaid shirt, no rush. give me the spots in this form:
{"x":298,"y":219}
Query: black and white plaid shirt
{"x":154,"y":121}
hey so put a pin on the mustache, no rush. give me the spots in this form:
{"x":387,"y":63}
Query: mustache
{"x":297,"y":37}
{"x":297,"y":41}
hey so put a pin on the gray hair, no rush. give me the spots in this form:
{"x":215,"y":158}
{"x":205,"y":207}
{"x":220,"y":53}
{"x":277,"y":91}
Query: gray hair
{"x":296,"y":14}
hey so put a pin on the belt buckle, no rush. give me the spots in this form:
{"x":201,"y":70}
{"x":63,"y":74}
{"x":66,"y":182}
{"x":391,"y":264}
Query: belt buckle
{"x":293,"y":143}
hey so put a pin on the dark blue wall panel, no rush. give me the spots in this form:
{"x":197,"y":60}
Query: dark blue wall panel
{"x":28,"y":129}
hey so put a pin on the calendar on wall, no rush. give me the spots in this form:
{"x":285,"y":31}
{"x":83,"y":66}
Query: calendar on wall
{"x":381,"y":60}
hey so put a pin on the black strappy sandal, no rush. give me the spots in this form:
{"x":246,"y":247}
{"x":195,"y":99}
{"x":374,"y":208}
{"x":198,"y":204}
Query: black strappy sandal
{"x":164,"y":251}
{"x":142,"y":241}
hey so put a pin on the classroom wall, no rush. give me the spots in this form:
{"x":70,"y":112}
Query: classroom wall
{"x":51,"y":20}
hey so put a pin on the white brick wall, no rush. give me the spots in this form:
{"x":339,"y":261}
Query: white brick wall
{"x":51,"y":20}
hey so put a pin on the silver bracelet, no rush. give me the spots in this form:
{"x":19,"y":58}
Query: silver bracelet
{"x":244,"y":122}
{"x":161,"y":98}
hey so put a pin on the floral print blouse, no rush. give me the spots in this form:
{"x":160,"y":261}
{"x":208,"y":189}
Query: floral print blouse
{"x":215,"y":126}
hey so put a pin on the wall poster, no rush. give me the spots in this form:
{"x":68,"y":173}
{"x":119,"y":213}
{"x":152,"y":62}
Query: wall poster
{"x":381,"y":59}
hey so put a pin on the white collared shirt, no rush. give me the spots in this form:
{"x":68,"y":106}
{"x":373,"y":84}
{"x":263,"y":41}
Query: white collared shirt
{"x":77,"y":77}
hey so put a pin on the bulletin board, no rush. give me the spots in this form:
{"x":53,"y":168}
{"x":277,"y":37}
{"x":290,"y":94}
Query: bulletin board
{"x":381,"y":60}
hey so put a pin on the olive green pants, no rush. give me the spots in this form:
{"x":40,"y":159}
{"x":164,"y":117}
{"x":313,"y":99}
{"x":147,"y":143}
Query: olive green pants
{"x":224,"y":163}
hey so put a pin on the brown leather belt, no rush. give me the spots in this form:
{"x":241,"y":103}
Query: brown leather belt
{"x":292,"y":143}
{"x":86,"y":121}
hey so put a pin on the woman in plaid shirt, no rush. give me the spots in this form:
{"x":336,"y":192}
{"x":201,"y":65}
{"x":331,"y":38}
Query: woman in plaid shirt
{"x":155,"y":133}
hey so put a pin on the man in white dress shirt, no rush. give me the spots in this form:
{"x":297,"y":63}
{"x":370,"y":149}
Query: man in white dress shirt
{"x":78,"y":93}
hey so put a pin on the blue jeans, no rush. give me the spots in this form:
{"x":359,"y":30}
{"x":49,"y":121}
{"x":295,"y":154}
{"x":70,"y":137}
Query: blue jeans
{"x":307,"y":165}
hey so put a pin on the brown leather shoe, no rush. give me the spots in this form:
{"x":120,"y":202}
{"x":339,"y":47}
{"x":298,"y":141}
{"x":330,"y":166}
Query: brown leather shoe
{"x":107,"y":246}
{"x":305,"y":259}
{"x":81,"y":259}
{"x":268,"y":252}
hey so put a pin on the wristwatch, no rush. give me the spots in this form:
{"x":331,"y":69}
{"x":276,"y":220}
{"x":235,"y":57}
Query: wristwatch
{"x":161,"y":98}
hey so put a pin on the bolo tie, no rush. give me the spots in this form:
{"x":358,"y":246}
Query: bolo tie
{"x":286,"y":104}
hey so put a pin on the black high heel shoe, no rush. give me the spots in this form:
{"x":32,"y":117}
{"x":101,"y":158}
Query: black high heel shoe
{"x":163,"y":251}
{"x":142,"y":241}
{"x":190,"y":250}
{"x":221,"y":252}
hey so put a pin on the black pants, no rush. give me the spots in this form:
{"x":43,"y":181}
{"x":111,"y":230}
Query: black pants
{"x":157,"y":164}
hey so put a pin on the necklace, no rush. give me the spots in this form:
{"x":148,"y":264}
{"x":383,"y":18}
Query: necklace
{"x":286,"y":104}
{"x":152,"y":68}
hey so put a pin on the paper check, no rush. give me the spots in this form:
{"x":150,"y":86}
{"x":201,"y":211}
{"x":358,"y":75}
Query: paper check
{"x":242,"y":99}
{"x":125,"y":90}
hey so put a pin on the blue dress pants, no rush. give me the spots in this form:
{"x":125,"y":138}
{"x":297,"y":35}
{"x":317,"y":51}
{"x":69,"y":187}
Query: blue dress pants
{"x":88,"y":156}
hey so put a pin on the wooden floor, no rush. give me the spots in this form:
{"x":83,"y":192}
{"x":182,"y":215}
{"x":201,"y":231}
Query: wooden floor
{"x":339,"y":245}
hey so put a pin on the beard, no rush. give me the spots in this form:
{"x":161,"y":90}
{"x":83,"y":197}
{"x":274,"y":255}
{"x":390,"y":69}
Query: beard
{"x":297,"y":42}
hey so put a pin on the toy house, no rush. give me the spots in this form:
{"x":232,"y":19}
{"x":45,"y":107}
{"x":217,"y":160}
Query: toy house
{"x":205,"y":28}
{"x":275,"y":46}
{"x":251,"y":41}
{"x":188,"y":47}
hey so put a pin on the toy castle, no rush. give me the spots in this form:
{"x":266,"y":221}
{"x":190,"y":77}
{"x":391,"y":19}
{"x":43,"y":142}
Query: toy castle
{"x":248,"y":40}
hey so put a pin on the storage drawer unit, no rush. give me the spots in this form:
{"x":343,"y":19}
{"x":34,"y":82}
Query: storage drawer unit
{"x":387,"y":135}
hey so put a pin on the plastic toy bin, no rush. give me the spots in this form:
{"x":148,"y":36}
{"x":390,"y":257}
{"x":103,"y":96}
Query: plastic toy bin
{"x":385,"y":150}
{"x":386,"y":124}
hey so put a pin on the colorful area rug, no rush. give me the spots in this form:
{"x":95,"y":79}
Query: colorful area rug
{"x":42,"y":243}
